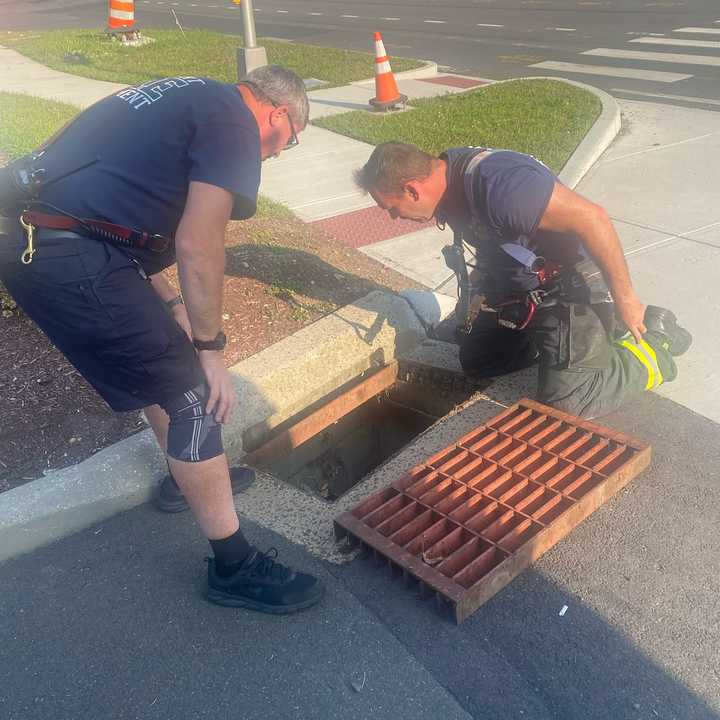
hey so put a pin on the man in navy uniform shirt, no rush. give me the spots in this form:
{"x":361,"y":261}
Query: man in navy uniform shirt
{"x":547,"y":264}
{"x":179,"y":158}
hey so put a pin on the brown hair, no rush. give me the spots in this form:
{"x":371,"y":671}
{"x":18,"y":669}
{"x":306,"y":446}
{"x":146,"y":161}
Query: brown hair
{"x":391,"y":166}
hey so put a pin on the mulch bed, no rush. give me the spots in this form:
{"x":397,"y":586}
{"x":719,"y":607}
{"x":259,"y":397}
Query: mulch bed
{"x":280,"y":276}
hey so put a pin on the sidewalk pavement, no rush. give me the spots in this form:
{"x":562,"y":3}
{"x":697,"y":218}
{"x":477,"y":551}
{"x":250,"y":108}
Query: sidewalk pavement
{"x":110,"y":622}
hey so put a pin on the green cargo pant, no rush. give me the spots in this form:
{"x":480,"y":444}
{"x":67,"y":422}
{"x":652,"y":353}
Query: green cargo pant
{"x":585,"y":369}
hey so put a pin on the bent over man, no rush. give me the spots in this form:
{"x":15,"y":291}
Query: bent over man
{"x":144,"y":178}
{"x":548,"y":270}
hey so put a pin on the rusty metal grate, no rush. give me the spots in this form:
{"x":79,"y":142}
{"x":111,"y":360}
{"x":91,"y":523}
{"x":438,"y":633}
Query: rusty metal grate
{"x":473,"y":516}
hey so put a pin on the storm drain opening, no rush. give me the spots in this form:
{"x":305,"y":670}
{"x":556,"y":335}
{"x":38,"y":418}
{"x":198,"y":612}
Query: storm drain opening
{"x":470,"y":518}
{"x":333,"y":446}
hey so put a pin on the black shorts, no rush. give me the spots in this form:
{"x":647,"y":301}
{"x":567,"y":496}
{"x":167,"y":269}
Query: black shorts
{"x":95,"y":305}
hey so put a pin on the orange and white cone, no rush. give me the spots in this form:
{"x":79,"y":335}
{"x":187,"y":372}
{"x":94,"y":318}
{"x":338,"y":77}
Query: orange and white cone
{"x":387,"y":95}
{"x":121,"y":15}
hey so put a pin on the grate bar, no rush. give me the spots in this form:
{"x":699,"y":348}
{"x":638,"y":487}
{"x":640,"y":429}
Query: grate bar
{"x":471,"y":517}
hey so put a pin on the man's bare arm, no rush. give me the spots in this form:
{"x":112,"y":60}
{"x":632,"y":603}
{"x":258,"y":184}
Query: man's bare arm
{"x":200,"y":251}
{"x":568,"y":212}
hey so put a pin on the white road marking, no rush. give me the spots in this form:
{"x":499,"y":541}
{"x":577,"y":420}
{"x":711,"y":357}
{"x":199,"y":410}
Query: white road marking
{"x":389,"y":18}
{"x":284,"y":12}
{"x":489,"y":25}
{"x":655,"y":56}
{"x":703,"y":31}
{"x":562,"y":29}
{"x":435,"y":22}
{"x":315,"y":13}
{"x":687,"y":98}
{"x":354,"y":17}
{"x":646,"y":34}
{"x":651,"y":75}
{"x":676,"y":41}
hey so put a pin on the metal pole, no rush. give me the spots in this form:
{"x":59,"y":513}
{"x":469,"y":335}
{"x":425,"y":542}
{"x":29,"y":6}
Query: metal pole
{"x":251,"y":56}
{"x":248,"y":24}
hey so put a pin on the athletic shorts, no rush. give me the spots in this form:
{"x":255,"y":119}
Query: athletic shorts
{"x":97,"y":307}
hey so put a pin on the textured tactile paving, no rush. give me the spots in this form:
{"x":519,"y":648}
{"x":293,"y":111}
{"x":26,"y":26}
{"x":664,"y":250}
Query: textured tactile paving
{"x":470,"y":518}
{"x":367,"y":226}
{"x":457,"y":81}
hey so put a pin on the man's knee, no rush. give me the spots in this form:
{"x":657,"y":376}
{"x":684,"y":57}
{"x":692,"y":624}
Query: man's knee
{"x":193,"y":435}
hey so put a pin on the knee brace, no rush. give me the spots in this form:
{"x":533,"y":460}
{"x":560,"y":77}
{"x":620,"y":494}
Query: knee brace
{"x":193,"y":436}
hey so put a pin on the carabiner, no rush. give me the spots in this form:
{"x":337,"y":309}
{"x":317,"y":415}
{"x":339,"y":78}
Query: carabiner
{"x":27,"y":257}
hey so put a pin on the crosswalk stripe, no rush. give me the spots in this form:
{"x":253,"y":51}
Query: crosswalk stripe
{"x":655,"y":56}
{"x":699,"y":30}
{"x":677,"y":41}
{"x":686,"y":98}
{"x":636,"y":74}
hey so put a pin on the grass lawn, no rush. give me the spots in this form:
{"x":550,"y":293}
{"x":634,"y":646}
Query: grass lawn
{"x":26,"y":121}
{"x":200,"y":52}
{"x":544,"y":118}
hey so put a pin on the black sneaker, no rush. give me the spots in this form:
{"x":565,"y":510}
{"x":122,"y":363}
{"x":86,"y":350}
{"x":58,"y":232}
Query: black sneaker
{"x":263,"y":584}
{"x":170,"y":499}
{"x":664,"y":322}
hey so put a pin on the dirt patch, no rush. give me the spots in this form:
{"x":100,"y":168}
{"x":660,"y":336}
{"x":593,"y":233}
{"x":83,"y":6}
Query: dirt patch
{"x":280,"y":276}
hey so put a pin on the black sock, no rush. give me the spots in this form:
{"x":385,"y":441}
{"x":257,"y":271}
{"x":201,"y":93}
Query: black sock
{"x":230,"y":552}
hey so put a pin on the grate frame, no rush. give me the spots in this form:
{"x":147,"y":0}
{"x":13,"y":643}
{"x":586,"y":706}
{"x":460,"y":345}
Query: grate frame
{"x":471,"y":517}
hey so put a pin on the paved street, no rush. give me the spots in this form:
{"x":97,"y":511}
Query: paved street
{"x":662,"y":51}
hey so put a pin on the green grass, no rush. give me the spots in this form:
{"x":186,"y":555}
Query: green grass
{"x":544,"y":118}
{"x":25,"y":122}
{"x":200,"y":52}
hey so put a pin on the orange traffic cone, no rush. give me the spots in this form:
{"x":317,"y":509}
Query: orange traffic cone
{"x":121,"y":15}
{"x":387,"y":95}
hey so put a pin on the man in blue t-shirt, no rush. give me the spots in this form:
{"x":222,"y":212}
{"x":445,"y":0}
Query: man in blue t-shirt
{"x":547,"y":268}
{"x":175,"y":158}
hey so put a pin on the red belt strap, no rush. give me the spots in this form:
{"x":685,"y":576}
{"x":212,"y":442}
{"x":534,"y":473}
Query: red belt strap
{"x":101,"y":230}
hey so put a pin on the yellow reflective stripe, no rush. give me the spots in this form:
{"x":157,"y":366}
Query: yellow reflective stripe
{"x":659,"y":379}
{"x":646,"y":355}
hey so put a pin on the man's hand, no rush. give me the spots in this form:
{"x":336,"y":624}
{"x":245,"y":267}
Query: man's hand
{"x":632,"y":313}
{"x":221,"y":400}
{"x":180,"y":315}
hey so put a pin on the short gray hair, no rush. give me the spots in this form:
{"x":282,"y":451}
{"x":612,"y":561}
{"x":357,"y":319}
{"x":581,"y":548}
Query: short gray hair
{"x":276,"y":85}
{"x":391,"y":166}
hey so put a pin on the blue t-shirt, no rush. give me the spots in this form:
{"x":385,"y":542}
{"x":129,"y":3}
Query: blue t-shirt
{"x":150,"y":142}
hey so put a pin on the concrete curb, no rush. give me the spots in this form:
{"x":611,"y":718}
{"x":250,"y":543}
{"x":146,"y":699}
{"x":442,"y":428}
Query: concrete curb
{"x":598,"y":138}
{"x":271,"y":385}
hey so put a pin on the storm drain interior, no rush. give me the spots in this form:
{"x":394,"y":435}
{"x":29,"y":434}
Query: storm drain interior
{"x":329,"y":450}
{"x":473,"y":516}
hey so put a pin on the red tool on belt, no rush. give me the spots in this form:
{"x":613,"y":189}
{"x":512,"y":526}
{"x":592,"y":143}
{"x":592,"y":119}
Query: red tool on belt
{"x":98,"y":229}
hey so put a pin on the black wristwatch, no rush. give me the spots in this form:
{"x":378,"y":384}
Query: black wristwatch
{"x":217,"y":344}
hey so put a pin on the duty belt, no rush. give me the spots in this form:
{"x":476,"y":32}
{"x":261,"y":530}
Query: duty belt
{"x":97,"y":229}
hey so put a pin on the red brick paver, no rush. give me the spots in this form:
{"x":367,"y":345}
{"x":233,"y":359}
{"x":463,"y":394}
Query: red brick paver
{"x":457,"y":81}
{"x":367,"y":226}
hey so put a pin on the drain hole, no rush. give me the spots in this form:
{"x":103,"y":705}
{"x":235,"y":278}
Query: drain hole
{"x":331,"y":460}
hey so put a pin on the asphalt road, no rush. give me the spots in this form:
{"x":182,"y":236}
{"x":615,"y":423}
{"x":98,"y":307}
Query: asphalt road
{"x":659,"y":50}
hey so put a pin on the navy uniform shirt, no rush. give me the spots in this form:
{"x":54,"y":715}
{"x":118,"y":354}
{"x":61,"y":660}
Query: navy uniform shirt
{"x":150,"y":142}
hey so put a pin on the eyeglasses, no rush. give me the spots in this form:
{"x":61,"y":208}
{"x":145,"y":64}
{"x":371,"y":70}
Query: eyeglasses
{"x":293,"y":140}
